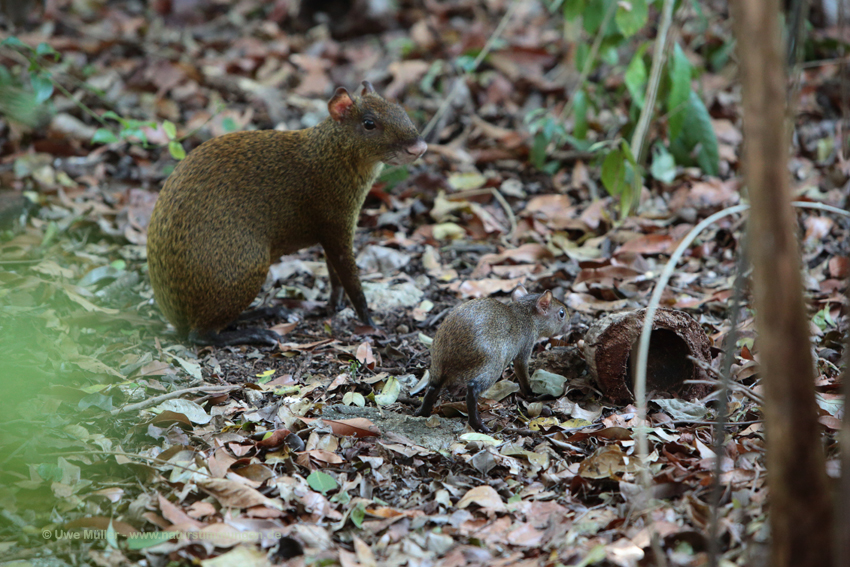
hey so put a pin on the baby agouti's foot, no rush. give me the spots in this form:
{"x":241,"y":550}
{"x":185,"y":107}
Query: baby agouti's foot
{"x":247,"y":336}
{"x":479,"y":426}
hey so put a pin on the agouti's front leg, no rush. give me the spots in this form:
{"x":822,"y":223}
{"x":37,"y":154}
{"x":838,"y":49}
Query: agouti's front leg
{"x":342,"y":270}
{"x":521,"y":371}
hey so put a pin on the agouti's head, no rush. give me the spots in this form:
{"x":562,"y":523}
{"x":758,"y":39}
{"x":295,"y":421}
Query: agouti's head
{"x":549,"y":314}
{"x":383,"y":129}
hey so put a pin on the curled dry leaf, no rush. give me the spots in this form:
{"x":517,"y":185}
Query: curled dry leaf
{"x":607,"y":462}
{"x":233,"y":494}
{"x":485,"y":496}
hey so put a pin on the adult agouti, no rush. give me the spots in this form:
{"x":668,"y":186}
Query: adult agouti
{"x":239,"y":202}
{"x":481,"y":337}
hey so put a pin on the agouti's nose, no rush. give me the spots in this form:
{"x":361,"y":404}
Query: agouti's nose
{"x":417,"y":148}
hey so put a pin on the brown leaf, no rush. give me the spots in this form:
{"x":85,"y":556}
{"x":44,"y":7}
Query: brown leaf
{"x":839,"y":267}
{"x":357,"y":427}
{"x":365,"y":356}
{"x":649,"y":244}
{"x":232,"y":494}
{"x":607,"y":462}
{"x":485,"y":496}
{"x":177,"y":516}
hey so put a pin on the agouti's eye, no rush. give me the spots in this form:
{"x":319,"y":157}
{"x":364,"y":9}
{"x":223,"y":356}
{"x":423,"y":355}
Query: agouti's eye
{"x":369,"y":124}
{"x":561,"y":314}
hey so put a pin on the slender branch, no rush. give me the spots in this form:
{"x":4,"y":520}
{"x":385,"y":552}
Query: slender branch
{"x":176,"y":394}
{"x":658,"y":57}
{"x":444,"y":107}
{"x":588,"y":63}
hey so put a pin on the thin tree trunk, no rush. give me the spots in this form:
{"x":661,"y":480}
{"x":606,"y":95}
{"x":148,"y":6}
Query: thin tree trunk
{"x":800,"y":506}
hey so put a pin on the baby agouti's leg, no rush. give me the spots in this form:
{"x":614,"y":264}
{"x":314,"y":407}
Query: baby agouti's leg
{"x":473,"y":418}
{"x":521,"y":371}
{"x":428,"y":401}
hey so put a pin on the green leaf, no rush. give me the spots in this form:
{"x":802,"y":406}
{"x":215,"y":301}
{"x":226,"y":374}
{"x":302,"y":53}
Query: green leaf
{"x":594,"y":14}
{"x":389,"y":393}
{"x":538,"y":150}
{"x":697,"y":137}
{"x":635,"y":78}
{"x":111,"y":536}
{"x":573,"y":9}
{"x":663,"y":165}
{"x":103,"y":136}
{"x":392,"y":176}
{"x":143,"y":540}
{"x":466,"y":63}
{"x":229,"y":124}
{"x":580,"y":115}
{"x":355,"y":398}
{"x":679,"y":69}
{"x":631,"y":16}
{"x":358,"y":514}
{"x":321,"y":482}
{"x":45,"y":49}
{"x":176,"y":150}
{"x":170,"y":129}
{"x":42,"y":86}
{"x":13,"y":41}
{"x":582,"y":53}
{"x":134,"y":132}
{"x":614,"y":173}
{"x":114,"y":116}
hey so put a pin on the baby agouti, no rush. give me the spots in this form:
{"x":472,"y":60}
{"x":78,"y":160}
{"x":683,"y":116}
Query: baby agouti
{"x":481,"y":337}
{"x":239,"y":202}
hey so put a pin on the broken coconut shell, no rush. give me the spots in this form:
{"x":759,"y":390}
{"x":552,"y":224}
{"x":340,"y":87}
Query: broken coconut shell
{"x":611,"y":347}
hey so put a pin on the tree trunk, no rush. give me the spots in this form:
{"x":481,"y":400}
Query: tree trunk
{"x":800,"y":506}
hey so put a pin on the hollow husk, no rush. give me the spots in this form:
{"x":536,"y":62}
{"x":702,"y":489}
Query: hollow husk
{"x":611,"y":346}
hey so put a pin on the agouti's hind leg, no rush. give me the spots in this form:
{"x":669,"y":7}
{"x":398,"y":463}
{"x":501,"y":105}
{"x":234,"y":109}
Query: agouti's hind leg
{"x":428,"y":401}
{"x":474,"y":419}
{"x":246,"y":336}
{"x":278,"y":312}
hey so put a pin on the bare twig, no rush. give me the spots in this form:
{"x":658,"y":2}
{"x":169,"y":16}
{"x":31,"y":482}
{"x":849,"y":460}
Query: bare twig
{"x":588,"y":63}
{"x":176,"y":394}
{"x":658,"y":56}
{"x":444,"y":107}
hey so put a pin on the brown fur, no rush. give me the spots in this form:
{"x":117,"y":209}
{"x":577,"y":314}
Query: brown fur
{"x":240,"y":201}
{"x":480,"y":338}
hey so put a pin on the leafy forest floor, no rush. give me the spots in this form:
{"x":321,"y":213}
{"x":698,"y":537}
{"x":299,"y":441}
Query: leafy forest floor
{"x":308,"y":453}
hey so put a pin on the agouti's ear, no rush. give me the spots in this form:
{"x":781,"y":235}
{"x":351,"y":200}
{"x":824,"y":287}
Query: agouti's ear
{"x":367,"y":88}
{"x":340,"y":104}
{"x":519,"y":293}
{"x":544,"y":301}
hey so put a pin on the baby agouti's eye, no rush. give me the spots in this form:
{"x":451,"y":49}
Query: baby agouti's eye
{"x":369,"y":124}
{"x":561,"y":314}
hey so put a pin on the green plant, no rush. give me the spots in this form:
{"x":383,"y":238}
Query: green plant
{"x":690,"y":139}
{"x":30,"y":110}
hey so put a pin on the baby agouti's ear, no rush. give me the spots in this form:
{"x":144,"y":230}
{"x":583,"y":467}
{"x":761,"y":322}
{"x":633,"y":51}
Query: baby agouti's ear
{"x":340,"y":104}
{"x":519,"y":293}
{"x":367,"y":88}
{"x":544,"y":301}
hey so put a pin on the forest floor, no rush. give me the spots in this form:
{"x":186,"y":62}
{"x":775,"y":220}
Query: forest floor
{"x":308,"y":452}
